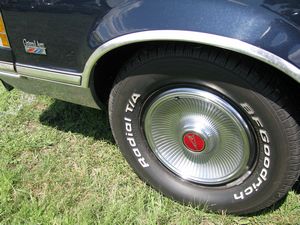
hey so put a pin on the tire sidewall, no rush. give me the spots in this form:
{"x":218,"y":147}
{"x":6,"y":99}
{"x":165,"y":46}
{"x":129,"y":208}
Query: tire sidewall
{"x":137,"y":86}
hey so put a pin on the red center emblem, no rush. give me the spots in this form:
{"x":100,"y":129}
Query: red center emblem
{"x":193,"y":142}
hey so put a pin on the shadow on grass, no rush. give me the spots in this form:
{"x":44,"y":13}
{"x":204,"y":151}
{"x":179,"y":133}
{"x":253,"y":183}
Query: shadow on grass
{"x":94,"y":123}
{"x":73,"y":118}
{"x":296,"y":187}
{"x":277,"y":205}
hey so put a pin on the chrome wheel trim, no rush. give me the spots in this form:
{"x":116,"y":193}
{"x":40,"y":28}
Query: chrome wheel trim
{"x":176,"y":112}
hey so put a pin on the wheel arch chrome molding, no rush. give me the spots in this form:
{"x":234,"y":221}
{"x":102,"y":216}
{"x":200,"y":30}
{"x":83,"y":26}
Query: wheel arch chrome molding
{"x":223,"y":42}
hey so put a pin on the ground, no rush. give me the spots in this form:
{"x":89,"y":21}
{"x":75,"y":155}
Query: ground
{"x":59,"y":165}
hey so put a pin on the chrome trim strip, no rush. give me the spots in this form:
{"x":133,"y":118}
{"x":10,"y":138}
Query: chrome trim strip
{"x":6,"y":74}
{"x":47,"y":69}
{"x":65,"y":92}
{"x":7,"y":66}
{"x":47,"y":74}
{"x":193,"y":37}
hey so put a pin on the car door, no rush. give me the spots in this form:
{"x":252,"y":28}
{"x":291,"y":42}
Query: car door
{"x":52,"y":34}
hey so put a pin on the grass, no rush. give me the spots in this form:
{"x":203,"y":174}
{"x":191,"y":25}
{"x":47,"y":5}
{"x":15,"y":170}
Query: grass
{"x":59,"y":165}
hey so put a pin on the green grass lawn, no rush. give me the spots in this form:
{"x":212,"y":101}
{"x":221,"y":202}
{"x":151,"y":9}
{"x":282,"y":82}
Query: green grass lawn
{"x":59,"y":165}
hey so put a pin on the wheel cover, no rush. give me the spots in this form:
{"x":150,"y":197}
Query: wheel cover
{"x":198,"y":136}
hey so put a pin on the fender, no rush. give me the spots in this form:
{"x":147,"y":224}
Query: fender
{"x":262,"y":30}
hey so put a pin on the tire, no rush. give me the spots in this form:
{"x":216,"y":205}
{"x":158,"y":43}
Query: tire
{"x":206,"y":127}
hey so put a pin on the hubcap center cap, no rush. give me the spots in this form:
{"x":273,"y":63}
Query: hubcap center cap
{"x":193,"y":142}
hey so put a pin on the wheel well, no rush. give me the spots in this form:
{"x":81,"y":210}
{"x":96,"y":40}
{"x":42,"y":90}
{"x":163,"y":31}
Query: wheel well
{"x":108,"y":67}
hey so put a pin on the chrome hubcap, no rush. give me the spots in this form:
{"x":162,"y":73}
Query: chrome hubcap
{"x":198,"y":136}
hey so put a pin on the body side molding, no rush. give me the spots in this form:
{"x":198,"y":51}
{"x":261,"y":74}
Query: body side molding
{"x":47,"y":74}
{"x":7,"y":66}
{"x":192,"y":37}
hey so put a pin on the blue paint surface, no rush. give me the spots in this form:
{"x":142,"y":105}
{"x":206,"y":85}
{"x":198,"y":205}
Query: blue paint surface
{"x":73,"y":29}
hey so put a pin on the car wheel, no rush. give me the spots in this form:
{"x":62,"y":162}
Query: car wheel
{"x":206,"y":127}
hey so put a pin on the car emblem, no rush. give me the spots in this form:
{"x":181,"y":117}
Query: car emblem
{"x":34,"y":47}
{"x":194,"y":142}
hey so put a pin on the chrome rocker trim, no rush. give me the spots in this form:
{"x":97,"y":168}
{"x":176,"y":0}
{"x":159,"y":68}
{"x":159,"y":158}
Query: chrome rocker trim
{"x":6,"y":66}
{"x":193,"y":37}
{"x":48,"y":74}
{"x":57,"y":84}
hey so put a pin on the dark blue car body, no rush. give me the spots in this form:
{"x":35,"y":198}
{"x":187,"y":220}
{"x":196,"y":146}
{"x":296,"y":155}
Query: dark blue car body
{"x":73,"y":30}
{"x":74,"y":49}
